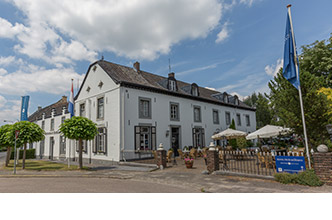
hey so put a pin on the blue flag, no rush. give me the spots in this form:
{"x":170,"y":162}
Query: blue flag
{"x":289,"y":69}
{"x":24,"y":108}
{"x":71,"y":101}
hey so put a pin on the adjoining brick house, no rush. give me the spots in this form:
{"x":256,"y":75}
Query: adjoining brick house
{"x":135,"y":111}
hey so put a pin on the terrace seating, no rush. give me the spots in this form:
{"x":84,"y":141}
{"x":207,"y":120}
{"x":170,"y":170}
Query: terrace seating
{"x":193,"y":153}
{"x":169,"y":156}
{"x":181,"y":154}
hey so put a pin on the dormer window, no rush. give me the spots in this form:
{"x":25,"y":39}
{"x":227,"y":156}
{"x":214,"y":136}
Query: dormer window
{"x":225,"y":97}
{"x":236,"y":100}
{"x":171,"y":82}
{"x":172,"y":85}
{"x":194,"y":89}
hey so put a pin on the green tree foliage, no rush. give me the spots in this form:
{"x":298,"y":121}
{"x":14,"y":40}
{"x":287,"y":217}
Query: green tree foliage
{"x":316,"y":59}
{"x":79,"y":128}
{"x":284,"y":100}
{"x":233,"y":142}
{"x":263,"y":112}
{"x":5,"y":141}
{"x":29,"y":133}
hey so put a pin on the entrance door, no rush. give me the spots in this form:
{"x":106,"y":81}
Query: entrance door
{"x":198,"y":137}
{"x":51,"y":147}
{"x":175,"y":140}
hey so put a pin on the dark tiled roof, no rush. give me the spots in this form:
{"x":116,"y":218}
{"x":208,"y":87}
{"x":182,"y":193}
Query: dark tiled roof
{"x":58,"y":106}
{"x":129,"y":77}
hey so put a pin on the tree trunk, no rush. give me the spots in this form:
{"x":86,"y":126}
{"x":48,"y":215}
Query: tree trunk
{"x":80,"y":157}
{"x":8,"y":156}
{"x":24,"y":153}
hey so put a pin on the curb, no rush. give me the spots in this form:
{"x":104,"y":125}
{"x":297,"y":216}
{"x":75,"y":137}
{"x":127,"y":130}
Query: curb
{"x":228,"y":173}
{"x":63,"y":176}
{"x":138,"y":164}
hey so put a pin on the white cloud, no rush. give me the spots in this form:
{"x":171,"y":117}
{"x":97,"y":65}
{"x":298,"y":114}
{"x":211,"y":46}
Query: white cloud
{"x":223,"y":34}
{"x":211,"y":88}
{"x":273,"y":69}
{"x":247,"y":2}
{"x":36,"y":79}
{"x":135,"y":29}
{"x":7,"y":30}
{"x":2,"y":101}
{"x":5,"y":61}
{"x":3,"y":71}
{"x":10,"y":111}
{"x":212,"y":66}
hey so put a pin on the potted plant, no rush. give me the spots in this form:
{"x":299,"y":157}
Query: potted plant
{"x":189,"y":162}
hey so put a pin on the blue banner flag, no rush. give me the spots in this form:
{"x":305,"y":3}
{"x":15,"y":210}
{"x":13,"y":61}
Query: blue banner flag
{"x":24,"y":108}
{"x":289,"y":69}
{"x":71,"y":101}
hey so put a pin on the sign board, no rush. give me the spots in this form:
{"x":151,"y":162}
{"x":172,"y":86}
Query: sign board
{"x":290,"y":164}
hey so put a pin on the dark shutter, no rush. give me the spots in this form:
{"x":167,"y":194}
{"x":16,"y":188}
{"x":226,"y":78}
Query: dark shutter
{"x":105,"y":140}
{"x":94,"y":144}
{"x":153,"y":138}
{"x":137,"y":130}
{"x":76,"y":145}
{"x":194,"y":137}
{"x":203,"y":138}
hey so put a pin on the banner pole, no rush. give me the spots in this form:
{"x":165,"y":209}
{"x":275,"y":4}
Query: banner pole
{"x":299,"y":88}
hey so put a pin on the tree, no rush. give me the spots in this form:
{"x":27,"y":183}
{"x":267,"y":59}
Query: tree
{"x":316,"y":59}
{"x":284,"y":100}
{"x":328,"y":93}
{"x":233,"y":142}
{"x":263,"y":112}
{"x":79,"y":128}
{"x":5,"y":140}
{"x":29,"y":133}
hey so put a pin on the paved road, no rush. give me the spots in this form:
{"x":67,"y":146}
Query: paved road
{"x":84,"y":185}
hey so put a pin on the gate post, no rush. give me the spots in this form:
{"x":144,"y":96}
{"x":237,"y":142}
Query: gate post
{"x":323,"y":166}
{"x":212,"y":159}
{"x":161,"y":157}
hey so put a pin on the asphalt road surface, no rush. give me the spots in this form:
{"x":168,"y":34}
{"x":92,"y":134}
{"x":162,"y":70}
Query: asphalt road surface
{"x":84,"y":185}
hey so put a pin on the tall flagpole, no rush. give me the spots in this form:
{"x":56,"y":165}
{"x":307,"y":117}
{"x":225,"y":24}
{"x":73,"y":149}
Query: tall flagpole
{"x":299,"y":87}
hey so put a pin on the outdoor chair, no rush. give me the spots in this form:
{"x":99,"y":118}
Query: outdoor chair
{"x":155,"y":155}
{"x":169,"y":156}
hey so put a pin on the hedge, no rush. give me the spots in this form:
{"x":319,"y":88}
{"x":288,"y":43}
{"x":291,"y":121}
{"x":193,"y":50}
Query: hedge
{"x":30,"y":154}
{"x":307,"y":177}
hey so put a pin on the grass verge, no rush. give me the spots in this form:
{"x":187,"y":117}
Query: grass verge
{"x":41,"y":165}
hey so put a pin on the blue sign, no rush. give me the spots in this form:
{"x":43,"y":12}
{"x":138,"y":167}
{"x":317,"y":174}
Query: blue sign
{"x":290,"y":164}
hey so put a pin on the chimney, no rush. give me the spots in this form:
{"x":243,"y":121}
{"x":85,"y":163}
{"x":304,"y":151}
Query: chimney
{"x":39,"y":108}
{"x":136,"y":66}
{"x":171,"y":75}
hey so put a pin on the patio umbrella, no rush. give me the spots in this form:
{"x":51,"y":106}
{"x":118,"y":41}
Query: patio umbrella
{"x":268,"y":131}
{"x":229,"y":134}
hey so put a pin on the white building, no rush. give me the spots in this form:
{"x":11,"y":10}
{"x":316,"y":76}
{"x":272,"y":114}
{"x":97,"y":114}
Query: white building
{"x":135,"y":111}
{"x":54,"y":146}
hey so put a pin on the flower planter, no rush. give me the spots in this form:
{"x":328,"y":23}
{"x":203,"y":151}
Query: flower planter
{"x":189,"y":165}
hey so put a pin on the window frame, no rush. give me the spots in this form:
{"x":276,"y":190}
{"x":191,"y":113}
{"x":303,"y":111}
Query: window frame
{"x":200,"y":113}
{"x":81,"y":112}
{"x":247,"y":120}
{"x":228,"y":122}
{"x":52,"y":124}
{"x":152,"y":138}
{"x":172,"y":85}
{"x":140,"y":112}
{"x":238,"y":119}
{"x":98,"y":108}
{"x":216,"y":122}
{"x":102,"y":135}
{"x":177,"y":118}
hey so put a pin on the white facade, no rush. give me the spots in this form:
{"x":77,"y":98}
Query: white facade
{"x":121,"y":115}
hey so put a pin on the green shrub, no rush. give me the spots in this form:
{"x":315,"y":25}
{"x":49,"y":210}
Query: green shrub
{"x":30,"y":154}
{"x":285,"y":178}
{"x":307,"y":177}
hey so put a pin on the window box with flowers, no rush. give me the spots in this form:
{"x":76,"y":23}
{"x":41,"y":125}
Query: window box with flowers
{"x":189,"y":162}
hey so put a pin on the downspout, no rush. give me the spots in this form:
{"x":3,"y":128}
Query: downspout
{"x":122,"y":104}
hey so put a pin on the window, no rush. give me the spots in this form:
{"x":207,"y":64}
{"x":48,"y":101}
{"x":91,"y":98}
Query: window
{"x":172,"y":85}
{"x":228,"y":118}
{"x":63,"y":119}
{"x":43,"y":125}
{"x":100,"y":145}
{"x":238,"y":119}
{"x":52,"y":124}
{"x":197,"y":114}
{"x":215,"y":116}
{"x":247,"y":120}
{"x":144,"y":108}
{"x":225,"y":97}
{"x":62,"y":145}
{"x":145,"y":138}
{"x":194,"y":90}
{"x":84,"y":146}
{"x":174,"y":112}
{"x":100,"y":108}
{"x":82,"y":109}
{"x":198,"y":137}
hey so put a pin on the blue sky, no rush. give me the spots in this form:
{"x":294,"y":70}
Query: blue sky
{"x":233,"y":45}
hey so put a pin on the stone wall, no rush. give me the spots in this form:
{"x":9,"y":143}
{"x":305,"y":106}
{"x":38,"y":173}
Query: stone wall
{"x":323,"y":166}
